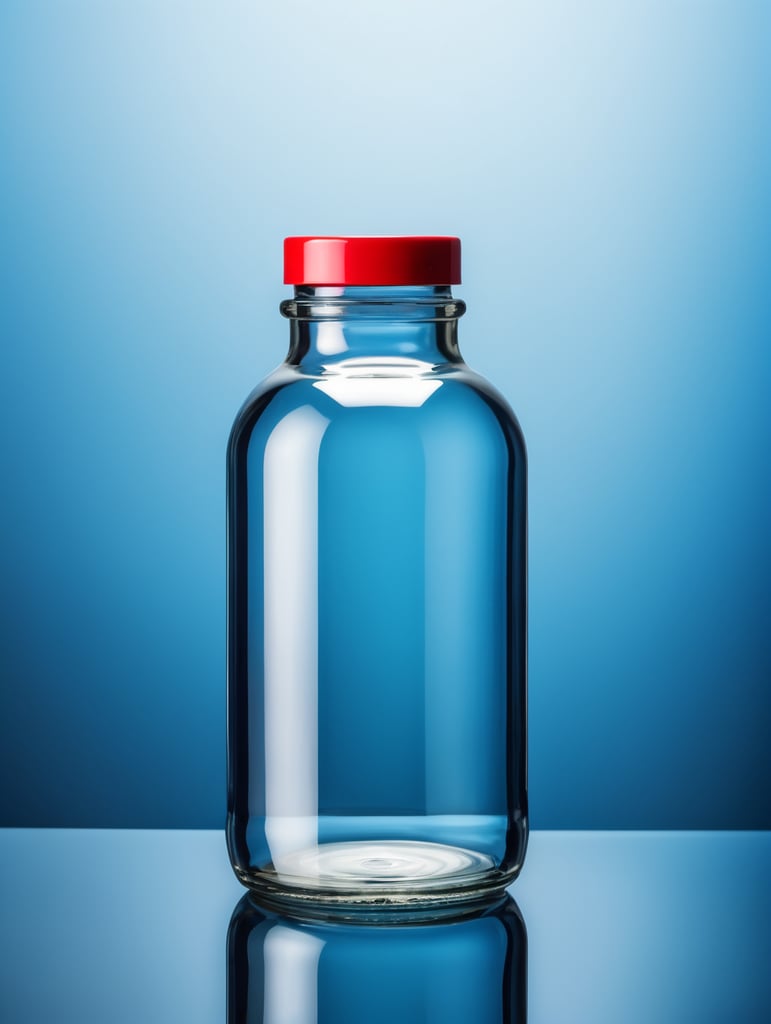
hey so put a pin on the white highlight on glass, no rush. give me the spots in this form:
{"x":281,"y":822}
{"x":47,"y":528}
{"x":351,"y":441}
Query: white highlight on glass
{"x":385,"y":381}
{"x":330,"y":338}
{"x":291,"y":959}
{"x":291,"y":661}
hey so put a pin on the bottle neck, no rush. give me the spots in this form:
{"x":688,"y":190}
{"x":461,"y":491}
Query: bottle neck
{"x":330,"y":325}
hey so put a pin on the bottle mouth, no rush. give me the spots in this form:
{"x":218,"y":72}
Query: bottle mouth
{"x":431,"y":303}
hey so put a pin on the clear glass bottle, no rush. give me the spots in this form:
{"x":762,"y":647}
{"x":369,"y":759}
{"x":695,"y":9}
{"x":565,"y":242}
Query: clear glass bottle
{"x":377,"y":626}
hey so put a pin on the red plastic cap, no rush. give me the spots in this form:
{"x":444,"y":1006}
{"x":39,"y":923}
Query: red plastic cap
{"x":372,"y":259}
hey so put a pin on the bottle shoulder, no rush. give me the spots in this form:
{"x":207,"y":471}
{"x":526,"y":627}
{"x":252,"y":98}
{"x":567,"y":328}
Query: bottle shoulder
{"x":452,"y":397}
{"x":498,"y":405}
{"x":256,"y":402}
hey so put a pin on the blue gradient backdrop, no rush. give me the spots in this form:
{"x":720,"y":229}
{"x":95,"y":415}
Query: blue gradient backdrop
{"x":608,"y":168}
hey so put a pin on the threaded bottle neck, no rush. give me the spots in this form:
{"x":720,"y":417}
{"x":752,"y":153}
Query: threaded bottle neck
{"x":331,"y":324}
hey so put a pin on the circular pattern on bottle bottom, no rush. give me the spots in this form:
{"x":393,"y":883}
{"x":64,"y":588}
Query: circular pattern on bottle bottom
{"x":387,"y":860}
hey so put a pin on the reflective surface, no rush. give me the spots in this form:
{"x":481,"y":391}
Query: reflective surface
{"x":621,"y":927}
{"x":290,"y":972}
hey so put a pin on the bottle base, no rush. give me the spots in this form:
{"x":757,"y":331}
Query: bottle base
{"x":362,"y":881}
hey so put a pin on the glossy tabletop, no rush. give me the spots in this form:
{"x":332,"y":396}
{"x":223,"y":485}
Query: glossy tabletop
{"x":619,"y":927}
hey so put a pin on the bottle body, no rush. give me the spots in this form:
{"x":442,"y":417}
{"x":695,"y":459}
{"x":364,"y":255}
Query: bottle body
{"x":377,"y":622}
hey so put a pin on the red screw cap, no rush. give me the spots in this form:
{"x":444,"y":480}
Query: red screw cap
{"x":372,"y":259}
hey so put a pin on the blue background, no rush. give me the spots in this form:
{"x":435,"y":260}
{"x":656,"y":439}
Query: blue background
{"x":607,"y":167}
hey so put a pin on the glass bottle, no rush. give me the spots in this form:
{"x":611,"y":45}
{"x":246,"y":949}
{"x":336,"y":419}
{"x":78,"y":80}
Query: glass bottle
{"x":377,"y":573}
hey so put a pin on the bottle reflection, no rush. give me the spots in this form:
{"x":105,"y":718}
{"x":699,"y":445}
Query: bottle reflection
{"x":285,"y":971}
